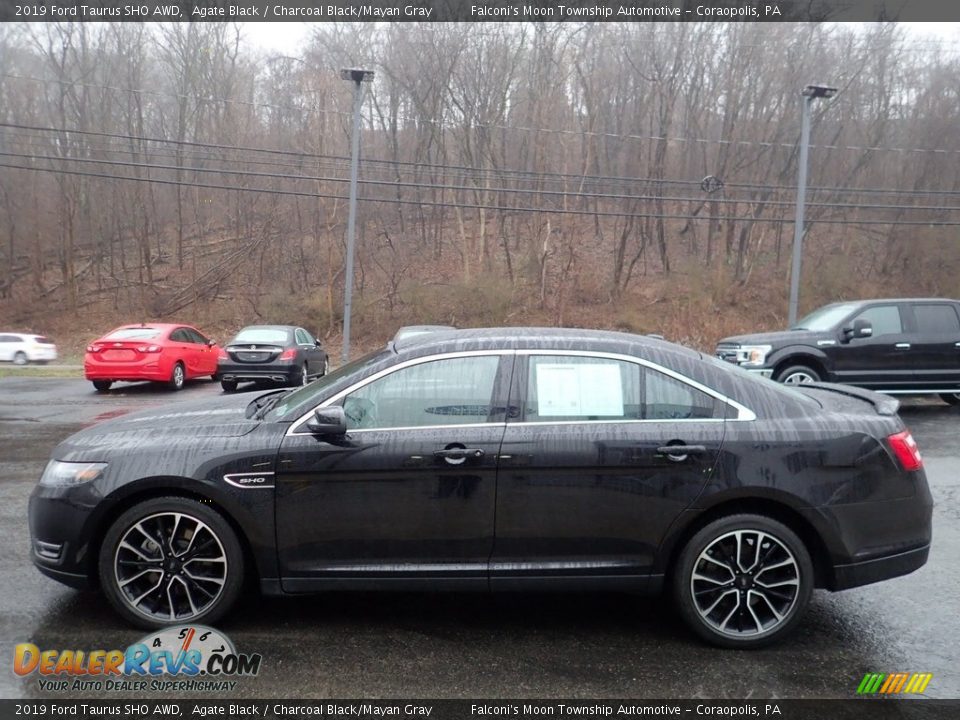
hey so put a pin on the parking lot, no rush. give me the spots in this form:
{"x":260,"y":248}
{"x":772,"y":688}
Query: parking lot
{"x":453,"y":645}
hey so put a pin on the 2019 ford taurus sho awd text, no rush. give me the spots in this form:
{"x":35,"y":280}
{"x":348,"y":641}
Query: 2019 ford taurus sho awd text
{"x":496,"y":459}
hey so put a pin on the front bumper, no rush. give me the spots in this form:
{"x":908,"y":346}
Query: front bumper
{"x":61,"y":522}
{"x":762,"y":372}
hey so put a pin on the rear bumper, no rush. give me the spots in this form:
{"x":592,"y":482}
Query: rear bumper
{"x":153,"y":370}
{"x":277,"y":373}
{"x":877,"y":569}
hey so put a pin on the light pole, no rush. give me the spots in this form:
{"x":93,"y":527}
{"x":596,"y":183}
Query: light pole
{"x":357,"y":77}
{"x":807,"y":96}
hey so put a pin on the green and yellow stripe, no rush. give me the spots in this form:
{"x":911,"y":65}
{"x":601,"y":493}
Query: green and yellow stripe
{"x":894,"y":683}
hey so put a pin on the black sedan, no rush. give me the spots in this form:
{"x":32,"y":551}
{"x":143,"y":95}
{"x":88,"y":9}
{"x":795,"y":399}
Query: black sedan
{"x":272,"y":353}
{"x":497,"y":459}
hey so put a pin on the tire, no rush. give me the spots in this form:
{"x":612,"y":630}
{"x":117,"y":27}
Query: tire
{"x":102,"y":385}
{"x":950,"y":398}
{"x":303,"y":378}
{"x":228,"y":385}
{"x":20,"y":358}
{"x":798,"y":375}
{"x":739,"y":613}
{"x":191,"y":591}
{"x":326,"y":366}
{"x":178,"y":377}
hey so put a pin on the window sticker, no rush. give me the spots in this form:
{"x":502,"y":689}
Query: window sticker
{"x":579,"y":389}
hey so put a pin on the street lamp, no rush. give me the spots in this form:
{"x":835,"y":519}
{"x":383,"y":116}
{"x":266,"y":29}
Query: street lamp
{"x":808,"y":95}
{"x":357,"y":77}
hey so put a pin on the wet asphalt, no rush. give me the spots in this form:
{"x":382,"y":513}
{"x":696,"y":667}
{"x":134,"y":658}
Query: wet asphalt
{"x":478,"y":646}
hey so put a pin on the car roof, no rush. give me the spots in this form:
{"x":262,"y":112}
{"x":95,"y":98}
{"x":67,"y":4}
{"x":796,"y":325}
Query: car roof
{"x":269,"y":327}
{"x":533,"y":338}
{"x":864,"y":301}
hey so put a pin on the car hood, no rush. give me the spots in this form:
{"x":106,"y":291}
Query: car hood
{"x":779,"y":338}
{"x":223,"y":417}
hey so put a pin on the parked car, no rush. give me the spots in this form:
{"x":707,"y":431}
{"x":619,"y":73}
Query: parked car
{"x":274,"y":353}
{"x":496,"y":459}
{"x":898,"y":346}
{"x":23,"y":348}
{"x":159,"y":352}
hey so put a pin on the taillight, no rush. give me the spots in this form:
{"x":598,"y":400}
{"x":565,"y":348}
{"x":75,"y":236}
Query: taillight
{"x":906,"y":450}
{"x":94,"y":348}
{"x":288,"y":354}
{"x":222,"y":355}
{"x":149,"y":348}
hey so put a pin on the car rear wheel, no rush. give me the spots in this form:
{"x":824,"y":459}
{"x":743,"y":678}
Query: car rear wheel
{"x":20,"y":358}
{"x":326,"y":366}
{"x":171,"y":560}
{"x":798,"y":375}
{"x":950,"y":398}
{"x":228,"y":385}
{"x":102,"y":385}
{"x":304,"y":375}
{"x":178,"y":377}
{"x":743,"y":581}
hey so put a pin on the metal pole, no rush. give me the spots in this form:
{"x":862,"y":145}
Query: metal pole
{"x":801,"y":202}
{"x":351,"y":218}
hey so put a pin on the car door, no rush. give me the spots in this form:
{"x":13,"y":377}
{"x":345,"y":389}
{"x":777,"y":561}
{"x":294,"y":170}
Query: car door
{"x":206,"y":354}
{"x":182,"y":348}
{"x":408,"y":494}
{"x":586,"y":486}
{"x":883,"y":360}
{"x":315,"y":353}
{"x":934,"y":338}
{"x":307,"y":348}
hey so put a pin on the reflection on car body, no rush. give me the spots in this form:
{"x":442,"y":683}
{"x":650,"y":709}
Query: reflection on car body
{"x":497,"y":459}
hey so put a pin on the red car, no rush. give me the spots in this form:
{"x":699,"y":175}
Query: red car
{"x":160,"y":352}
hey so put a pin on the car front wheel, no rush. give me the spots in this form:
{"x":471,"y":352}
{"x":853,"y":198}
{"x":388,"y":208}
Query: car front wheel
{"x":171,"y":560}
{"x":743,"y":581}
{"x":20,"y":358}
{"x":798,"y":375}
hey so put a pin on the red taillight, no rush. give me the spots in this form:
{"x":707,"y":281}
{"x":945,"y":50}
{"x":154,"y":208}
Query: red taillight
{"x":906,"y":450}
{"x":149,"y":348}
{"x":288,"y":354}
{"x":222,"y":355}
{"x":94,"y":348}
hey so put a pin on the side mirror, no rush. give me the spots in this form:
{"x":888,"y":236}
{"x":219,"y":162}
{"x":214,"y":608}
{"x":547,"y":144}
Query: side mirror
{"x":318,"y":343}
{"x":859,"y":329}
{"x":211,"y":342}
{"x":328,"y":421}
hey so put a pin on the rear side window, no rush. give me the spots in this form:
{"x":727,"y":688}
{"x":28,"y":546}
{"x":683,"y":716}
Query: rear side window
{"x":583,"y":389}
{"x":884,"y":319}
{"x":180,"y":335}
{"x":41,"y":340}
{"x":936,"y":320}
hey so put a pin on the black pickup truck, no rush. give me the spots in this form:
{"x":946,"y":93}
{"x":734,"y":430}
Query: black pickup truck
{"x":905,"y":346}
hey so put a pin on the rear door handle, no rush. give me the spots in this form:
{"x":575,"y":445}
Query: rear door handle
{"x":682,"y":450}
{"x":903,"y":346}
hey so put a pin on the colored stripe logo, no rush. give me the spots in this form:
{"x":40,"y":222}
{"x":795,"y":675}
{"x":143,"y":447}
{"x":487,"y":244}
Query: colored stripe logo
{"x":894,"y":683}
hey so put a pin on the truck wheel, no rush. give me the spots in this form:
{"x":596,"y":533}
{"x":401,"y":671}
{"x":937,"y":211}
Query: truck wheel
{"x":797,"y":375}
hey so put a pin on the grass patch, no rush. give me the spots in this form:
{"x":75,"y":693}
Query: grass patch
{"x":53,"y":371}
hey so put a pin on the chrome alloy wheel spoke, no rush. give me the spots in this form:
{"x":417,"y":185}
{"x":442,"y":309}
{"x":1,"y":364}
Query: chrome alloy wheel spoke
{"x":751,"y":589}
{"x":164,"y":571}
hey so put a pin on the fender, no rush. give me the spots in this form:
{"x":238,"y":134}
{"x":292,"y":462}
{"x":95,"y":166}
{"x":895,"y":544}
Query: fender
{"x":781,"y":354}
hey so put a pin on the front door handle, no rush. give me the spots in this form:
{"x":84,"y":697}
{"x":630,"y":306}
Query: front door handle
{"x":902,"y":346}
{"x":682,"y":450}
{"x":458,"y":455}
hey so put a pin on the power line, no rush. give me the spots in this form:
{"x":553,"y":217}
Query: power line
{"x":496,"y":173}
{"x":468,"y":188}
{"x":477,"y":206}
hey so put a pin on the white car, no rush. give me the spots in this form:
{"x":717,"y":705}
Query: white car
{"x":20,"y":348}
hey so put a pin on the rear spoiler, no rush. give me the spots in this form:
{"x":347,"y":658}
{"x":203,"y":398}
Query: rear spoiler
{"x":884,"y":404}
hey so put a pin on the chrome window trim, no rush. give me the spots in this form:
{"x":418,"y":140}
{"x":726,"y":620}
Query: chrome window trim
{"x":390,"y":370}
{"x":744,"y":414}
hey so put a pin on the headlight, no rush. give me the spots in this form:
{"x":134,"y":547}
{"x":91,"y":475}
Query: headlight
{"x":68,"y":474}
{"x":753,"y":355}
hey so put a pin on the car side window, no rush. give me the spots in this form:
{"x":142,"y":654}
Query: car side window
{"x":7,"y":338}
{"x":576,"y":388}
{"x":885,"y":319}
{"x":936,"y":320}
{"x":666,"y":398}
{"x":451,"y":391}
{"x":179,"y":335}
{"x":195,"y":336}
{"x":302,"y":338}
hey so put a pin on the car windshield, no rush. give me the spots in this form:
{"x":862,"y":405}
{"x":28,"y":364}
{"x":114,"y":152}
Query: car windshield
{"x":826,"y":318}
{"x":134,"y":333}
{"x":261,"y":335}
{"x":314,"y":391}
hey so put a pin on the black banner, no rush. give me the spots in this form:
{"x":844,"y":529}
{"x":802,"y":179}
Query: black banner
{"x":875,"y":709}
{"x":479,"y":10}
